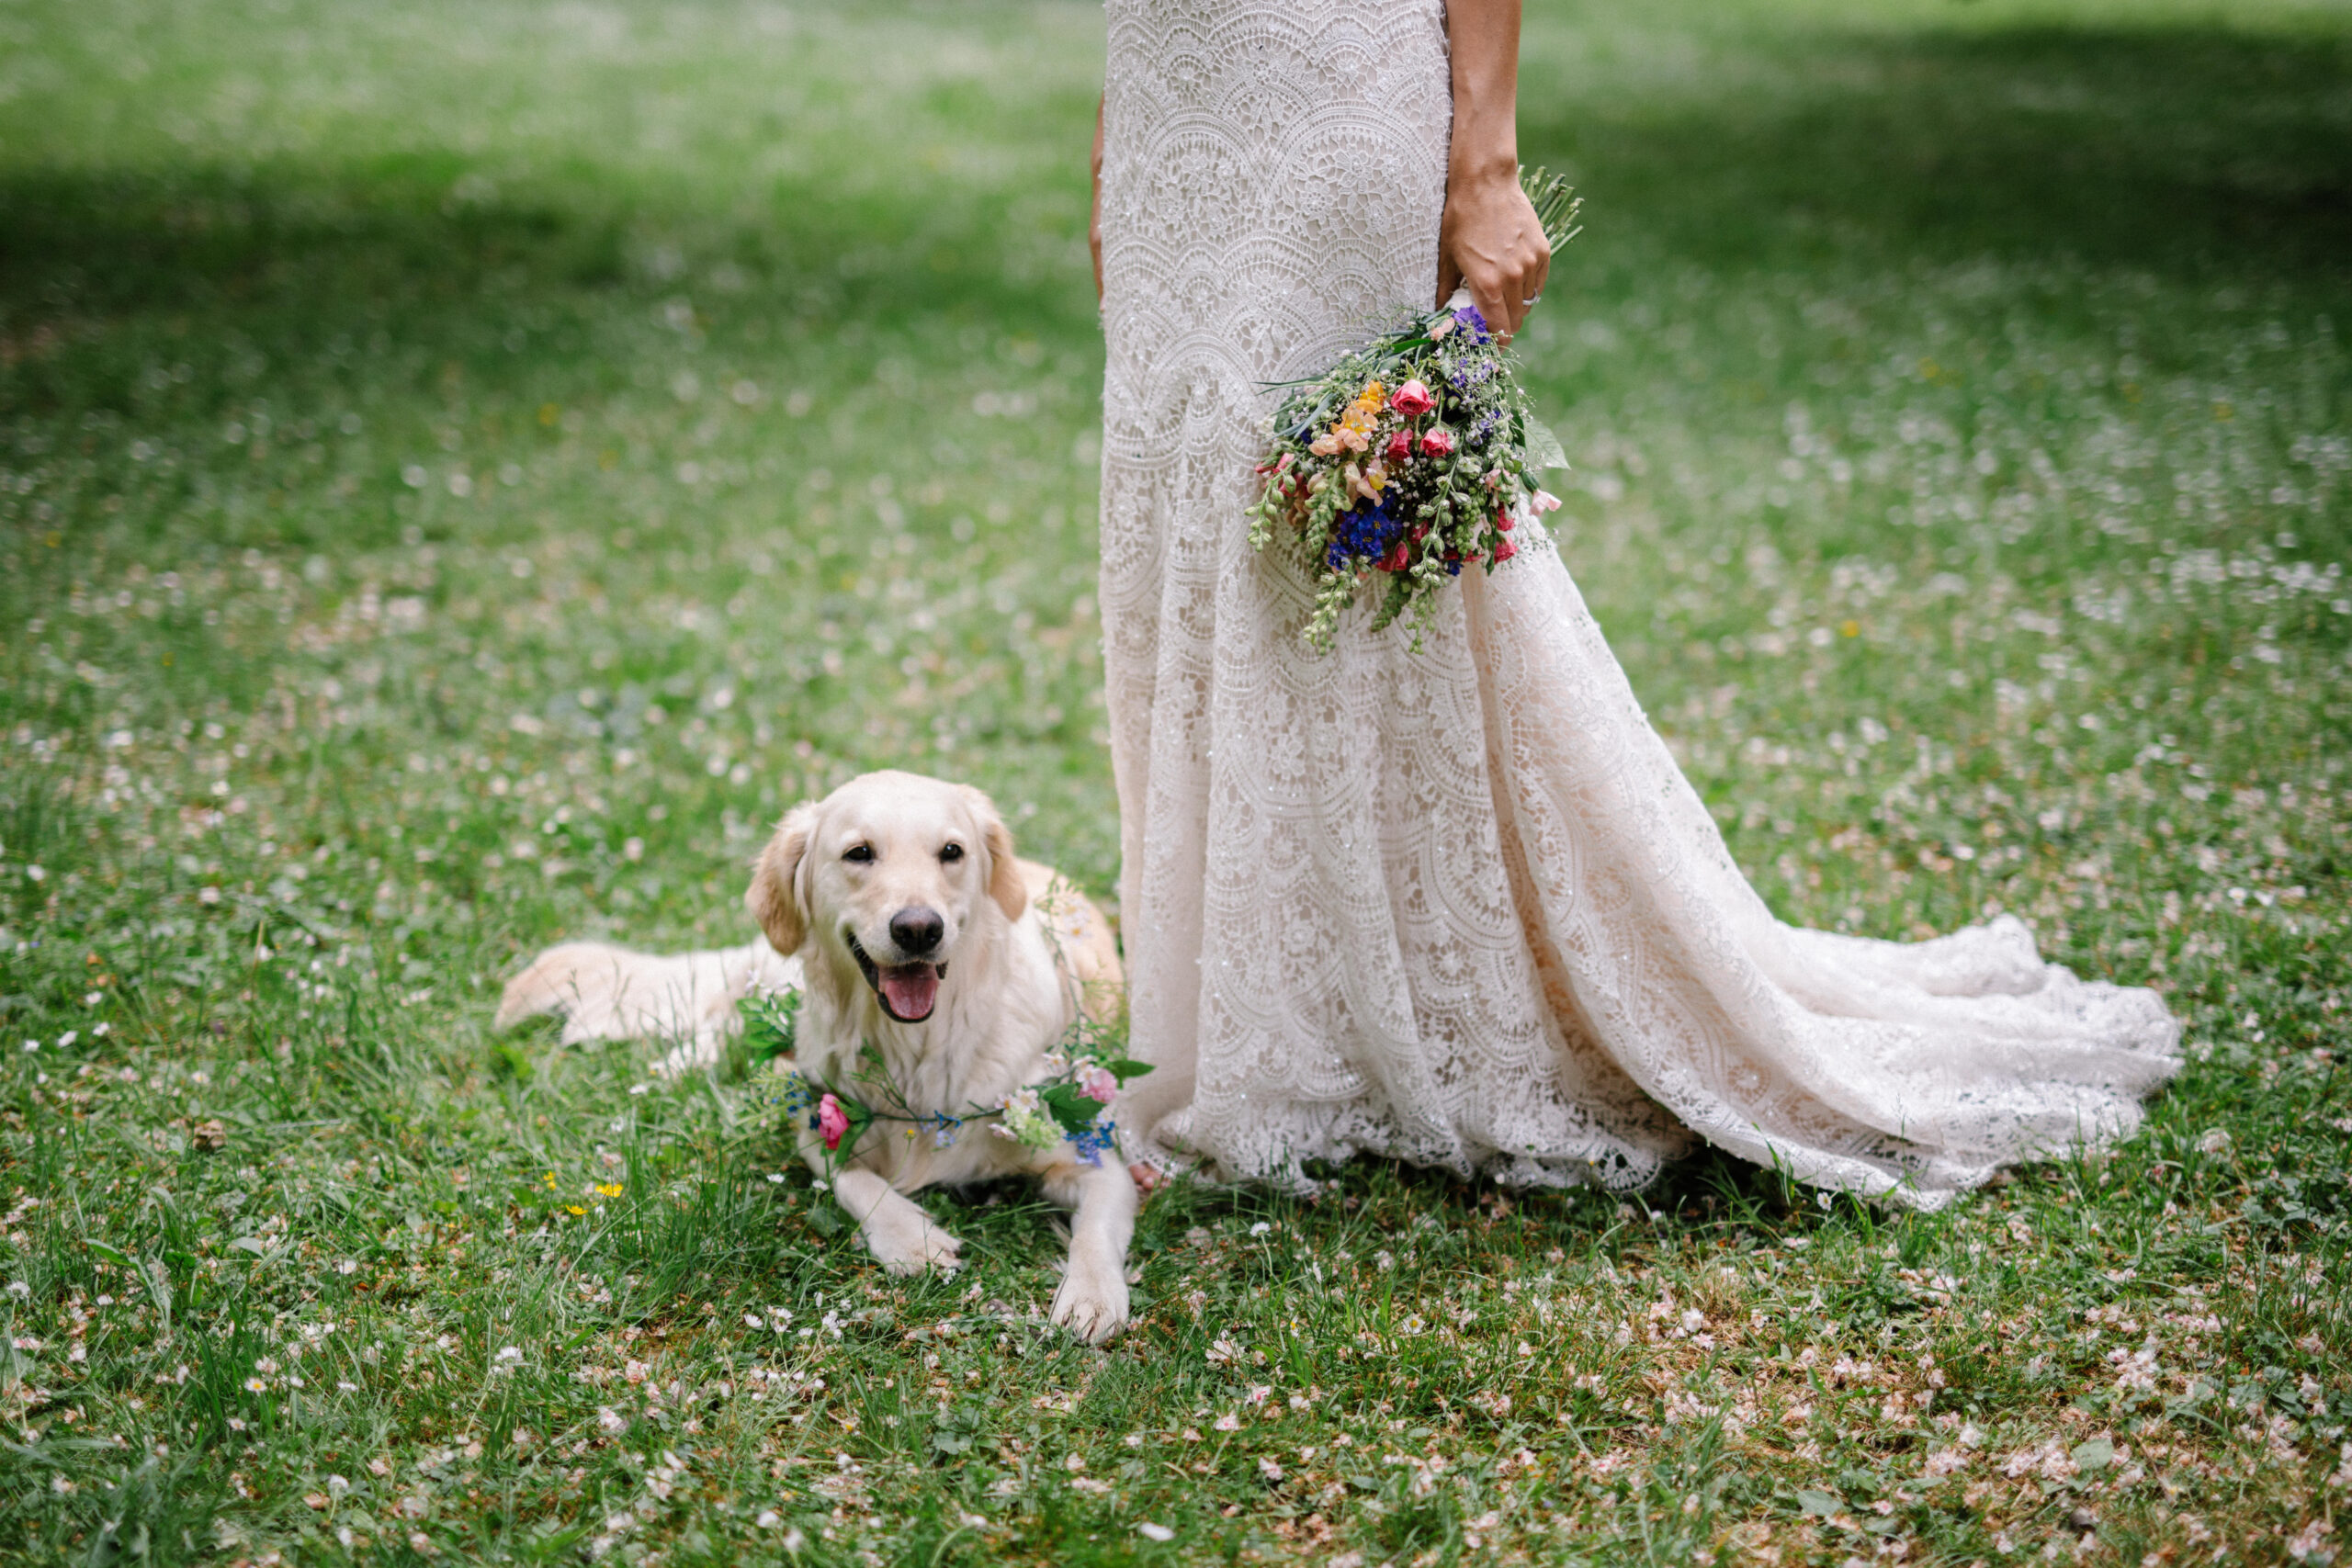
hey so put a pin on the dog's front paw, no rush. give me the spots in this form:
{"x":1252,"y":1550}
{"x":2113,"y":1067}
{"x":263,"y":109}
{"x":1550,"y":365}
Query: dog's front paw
{"x":1092,"y":1303}
{"x":913,"y":1247}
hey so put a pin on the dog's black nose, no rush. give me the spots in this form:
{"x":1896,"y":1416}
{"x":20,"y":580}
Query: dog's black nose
{"x":917,"y":930}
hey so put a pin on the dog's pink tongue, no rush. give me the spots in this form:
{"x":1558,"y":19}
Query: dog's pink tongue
{"x":911,"y":990}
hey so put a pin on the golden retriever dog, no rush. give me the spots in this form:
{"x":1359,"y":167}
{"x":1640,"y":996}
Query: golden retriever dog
{"x":897,"y":905}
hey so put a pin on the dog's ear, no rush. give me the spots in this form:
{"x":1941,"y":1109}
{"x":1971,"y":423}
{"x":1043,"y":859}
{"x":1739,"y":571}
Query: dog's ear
{"x":775,"y":897}
{"x":1012,"y":894}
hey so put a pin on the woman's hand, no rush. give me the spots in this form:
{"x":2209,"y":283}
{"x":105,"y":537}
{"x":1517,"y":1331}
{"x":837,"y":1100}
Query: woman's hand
{"x":1491,"y":240}
{"x":1489,"y":237}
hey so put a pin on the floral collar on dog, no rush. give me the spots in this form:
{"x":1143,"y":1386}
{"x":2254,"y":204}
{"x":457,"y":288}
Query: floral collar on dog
{"x":1069,"y":1105}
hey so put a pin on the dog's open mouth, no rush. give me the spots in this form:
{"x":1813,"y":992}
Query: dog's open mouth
{"x":909,"y":991}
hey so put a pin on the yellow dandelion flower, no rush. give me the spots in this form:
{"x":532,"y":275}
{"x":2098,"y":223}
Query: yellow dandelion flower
{"x":609,"y":1190}
{"x":574,"y":1209}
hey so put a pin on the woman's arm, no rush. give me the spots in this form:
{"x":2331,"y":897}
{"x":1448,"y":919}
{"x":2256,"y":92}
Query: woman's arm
{"x":1490,"y":238}
{"x":1094,"y":215}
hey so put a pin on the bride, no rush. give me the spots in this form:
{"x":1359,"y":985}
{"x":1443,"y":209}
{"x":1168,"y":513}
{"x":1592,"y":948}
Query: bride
{"x":1458,"y":907}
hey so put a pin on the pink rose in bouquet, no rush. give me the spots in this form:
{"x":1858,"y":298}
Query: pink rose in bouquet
{"x":1412,"y":399}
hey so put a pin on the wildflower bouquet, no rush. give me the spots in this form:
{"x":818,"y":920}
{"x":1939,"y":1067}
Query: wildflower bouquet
{"x":1071,"y":1104}
{"x":1411,"y":459}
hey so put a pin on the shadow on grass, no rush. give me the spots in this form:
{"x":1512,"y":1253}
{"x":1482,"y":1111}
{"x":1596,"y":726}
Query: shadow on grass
{"x":2171,"y":149}
{"x":298,"y":261}
{"x":1710,"y":1193}
{"x":1710,"y":1197}
{"x":2186,"y":151}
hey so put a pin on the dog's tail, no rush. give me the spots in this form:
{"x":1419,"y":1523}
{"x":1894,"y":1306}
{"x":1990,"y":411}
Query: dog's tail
{"x":604,"y":992}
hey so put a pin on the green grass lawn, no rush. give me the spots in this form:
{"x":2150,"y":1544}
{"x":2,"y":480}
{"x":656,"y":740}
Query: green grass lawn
{"x":464,"y":468}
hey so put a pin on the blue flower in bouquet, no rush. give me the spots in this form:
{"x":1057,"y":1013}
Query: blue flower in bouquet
{"x":1470,"y":320}
{"x":1095,"y":1140}
{"x":1364,"y":534}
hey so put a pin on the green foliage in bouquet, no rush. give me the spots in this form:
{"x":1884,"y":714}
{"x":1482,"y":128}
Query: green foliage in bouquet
{"x":1412,"y":458}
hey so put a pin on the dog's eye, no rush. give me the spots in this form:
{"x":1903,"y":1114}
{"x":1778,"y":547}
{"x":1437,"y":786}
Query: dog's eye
{"x":952,"y":853}
{"x":861,"y":853}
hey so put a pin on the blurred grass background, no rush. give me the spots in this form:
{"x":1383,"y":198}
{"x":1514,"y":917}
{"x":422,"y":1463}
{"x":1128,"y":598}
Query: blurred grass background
{"x":466,"y":468}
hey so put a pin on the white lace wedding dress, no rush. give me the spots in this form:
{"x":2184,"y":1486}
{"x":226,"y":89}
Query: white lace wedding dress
{"x":1459,"y":907}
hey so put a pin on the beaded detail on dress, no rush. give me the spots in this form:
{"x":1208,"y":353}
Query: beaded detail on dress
{"x":1458,"y":907}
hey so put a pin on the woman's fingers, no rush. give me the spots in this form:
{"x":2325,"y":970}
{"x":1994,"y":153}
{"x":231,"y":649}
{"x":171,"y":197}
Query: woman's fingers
{"x":1500,"y":304}
{"x":1502,"y":292}
{"x":1532,"y":261}
{"x":1495,"y":291}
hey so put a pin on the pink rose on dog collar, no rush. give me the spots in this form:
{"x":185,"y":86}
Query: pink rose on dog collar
{"x":1098,"y":1083}
{"x":832,"y":1121}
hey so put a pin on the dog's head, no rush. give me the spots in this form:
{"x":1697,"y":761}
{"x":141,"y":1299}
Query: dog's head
{"x":890,"y":871}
